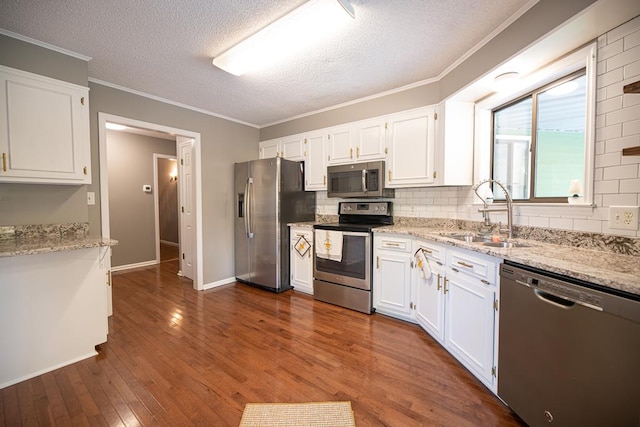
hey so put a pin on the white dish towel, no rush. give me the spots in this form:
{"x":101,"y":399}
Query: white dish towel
{"x":422,"y":264}
{"x":329,"y":245}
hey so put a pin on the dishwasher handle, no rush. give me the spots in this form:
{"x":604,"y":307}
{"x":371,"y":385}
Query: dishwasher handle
{"x":553,"y":299}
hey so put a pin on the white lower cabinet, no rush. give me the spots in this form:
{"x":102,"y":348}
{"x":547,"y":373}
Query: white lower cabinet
{"x":301,"y":259}
{"x":429,"y":310}
{"x":392,"y":277}
{"x":453,"y":298}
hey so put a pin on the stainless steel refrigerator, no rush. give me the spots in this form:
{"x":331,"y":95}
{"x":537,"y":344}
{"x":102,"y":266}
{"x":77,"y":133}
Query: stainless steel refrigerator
{"x":269,"y":195}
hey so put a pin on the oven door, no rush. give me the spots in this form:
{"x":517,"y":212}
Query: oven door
{"x":354,"y":269}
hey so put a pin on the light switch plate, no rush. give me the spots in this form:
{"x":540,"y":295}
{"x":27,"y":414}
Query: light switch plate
{"x":623,"y":217}
{"x":91,"y":198}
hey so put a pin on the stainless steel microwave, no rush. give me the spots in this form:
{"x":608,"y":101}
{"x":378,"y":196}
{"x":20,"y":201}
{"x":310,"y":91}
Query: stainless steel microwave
{"x":358,"y":180}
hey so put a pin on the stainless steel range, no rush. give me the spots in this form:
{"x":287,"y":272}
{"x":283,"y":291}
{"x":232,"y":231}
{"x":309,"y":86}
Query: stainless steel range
{"x":343,"y":256}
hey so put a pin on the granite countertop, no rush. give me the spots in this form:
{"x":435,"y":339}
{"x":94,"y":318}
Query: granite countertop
{"x":605,"y":268}
{"x":39,"y":239}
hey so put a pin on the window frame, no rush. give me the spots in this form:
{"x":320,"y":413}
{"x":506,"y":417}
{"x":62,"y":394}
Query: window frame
{"x":582,"y":57}
{"x":533,"y":94}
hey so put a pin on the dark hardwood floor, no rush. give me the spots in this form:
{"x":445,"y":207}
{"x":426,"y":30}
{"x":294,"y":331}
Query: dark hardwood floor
{"x":176,"y":356}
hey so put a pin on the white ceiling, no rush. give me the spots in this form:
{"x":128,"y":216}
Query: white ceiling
{"x":164,"y":48}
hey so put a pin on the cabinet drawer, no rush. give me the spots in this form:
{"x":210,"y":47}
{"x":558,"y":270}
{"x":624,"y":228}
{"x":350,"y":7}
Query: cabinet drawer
{"x":433,"y":252}
{"x":391,"y":243}
{"x":473,"y":265}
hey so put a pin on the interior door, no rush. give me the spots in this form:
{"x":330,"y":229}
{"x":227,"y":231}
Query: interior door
{"x":187,"y":206}
{"x":264,"y":247}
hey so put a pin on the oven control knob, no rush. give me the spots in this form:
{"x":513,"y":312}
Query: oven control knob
{"x":377,"y":208}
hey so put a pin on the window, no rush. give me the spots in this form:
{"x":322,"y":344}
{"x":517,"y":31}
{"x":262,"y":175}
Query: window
{"x":539,"y":141}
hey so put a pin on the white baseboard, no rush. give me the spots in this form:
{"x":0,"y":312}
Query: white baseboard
{"x":166,"y":242}
{"x":136,"y":265}
{"x":218,"y":283}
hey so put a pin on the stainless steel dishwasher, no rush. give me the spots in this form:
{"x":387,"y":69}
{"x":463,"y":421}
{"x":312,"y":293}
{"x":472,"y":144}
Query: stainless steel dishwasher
{"x":569,"y":351}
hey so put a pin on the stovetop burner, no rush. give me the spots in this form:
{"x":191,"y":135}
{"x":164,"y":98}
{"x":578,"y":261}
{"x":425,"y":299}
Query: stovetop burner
{"x":360,"y":216}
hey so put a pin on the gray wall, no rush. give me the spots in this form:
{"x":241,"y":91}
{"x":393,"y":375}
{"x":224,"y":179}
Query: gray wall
{"x":132,"y":211}
{"x":35,"y":203}
{"x":167,"y":201}
{"x":543,"y":17}
{"x":223,"y":143}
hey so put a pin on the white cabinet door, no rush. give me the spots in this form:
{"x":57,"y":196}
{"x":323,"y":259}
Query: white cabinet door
{"x":301,"y":263}
{"x":316,"y":162}
{"x":454,"y":143}
{"x":45,"y":137}
{"x":339,"y":141}
{"x":470,"y":323}
{"x":370,"y":140}
{"x":270,"y":149}
{"x":411,"y":142}
{"x":292,"y":148}
{"x":429,"y":289}
{"x":392,"y":277}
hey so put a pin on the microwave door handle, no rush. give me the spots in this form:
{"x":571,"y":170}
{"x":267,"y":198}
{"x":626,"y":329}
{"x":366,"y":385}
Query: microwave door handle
{"x":364,"y":180}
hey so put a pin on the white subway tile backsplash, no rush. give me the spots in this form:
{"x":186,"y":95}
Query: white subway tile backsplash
{"x":611,"y":77}
{"x":538,"y":221}
{"x":630,"y":185}
{"x":623,"y":30}
{"x":623,"y":58}
{"x":561,"y":223}
{"x":631,"y":128}
{"x":623,"y":115}
{"x":610,"y":50}
{"x":607,"y":160}
{"x":629,"y":199}
{"x":587,"y":225}
{"x":629,"y":99}
{"x":608,"y":105}
{"x":631,"y":40}
{"x":617,"y":144}
{"x":620,"y":172}
{"x":631,"y":71}
{"x":609,"y":132}
{"x":604,"y":187}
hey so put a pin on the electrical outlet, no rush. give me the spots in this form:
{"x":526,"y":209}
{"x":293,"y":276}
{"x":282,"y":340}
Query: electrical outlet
{"x":623,"y":217}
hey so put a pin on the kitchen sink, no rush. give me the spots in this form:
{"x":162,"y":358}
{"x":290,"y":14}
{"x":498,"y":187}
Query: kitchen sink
{"x":486,"y":241}
{"x":505,"y":245}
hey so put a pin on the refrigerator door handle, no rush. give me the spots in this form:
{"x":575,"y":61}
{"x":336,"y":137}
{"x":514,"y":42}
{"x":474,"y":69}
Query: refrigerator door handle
{"x":249,"y":208}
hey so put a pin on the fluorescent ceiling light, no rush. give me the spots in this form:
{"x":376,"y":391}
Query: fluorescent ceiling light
{"x":305,"y":25}
{"x":115,"y":126}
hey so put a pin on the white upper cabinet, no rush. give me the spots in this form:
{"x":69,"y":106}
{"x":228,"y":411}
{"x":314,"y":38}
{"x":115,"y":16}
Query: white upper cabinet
{"x":270,"y":149}
{"x":44,"y":130}
{"x":370,"y":140}
{"x":290,"y":148}
{"x":357,"y":142}
{"x":316,"y":162}
{"x":411,"y":144}
{"x":340,"y":145}
{"x":454,"y":143}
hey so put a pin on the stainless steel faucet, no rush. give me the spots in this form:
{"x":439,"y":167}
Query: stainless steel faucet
{"x":485,"y":211}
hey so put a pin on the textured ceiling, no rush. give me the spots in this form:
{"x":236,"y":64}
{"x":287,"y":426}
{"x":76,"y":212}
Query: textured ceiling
{"x":164,"y":48}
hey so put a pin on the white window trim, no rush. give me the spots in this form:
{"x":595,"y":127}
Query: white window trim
{"x":585,"y":57}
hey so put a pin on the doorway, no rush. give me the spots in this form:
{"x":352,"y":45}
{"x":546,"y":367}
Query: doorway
{"x":167,"y":236}
{"x":192,"y":248}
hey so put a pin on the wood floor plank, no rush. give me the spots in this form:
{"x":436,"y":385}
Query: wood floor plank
{"x":176,"y":356}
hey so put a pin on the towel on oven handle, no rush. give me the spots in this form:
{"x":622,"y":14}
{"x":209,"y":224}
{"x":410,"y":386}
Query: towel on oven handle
{"x":329,"y":245}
